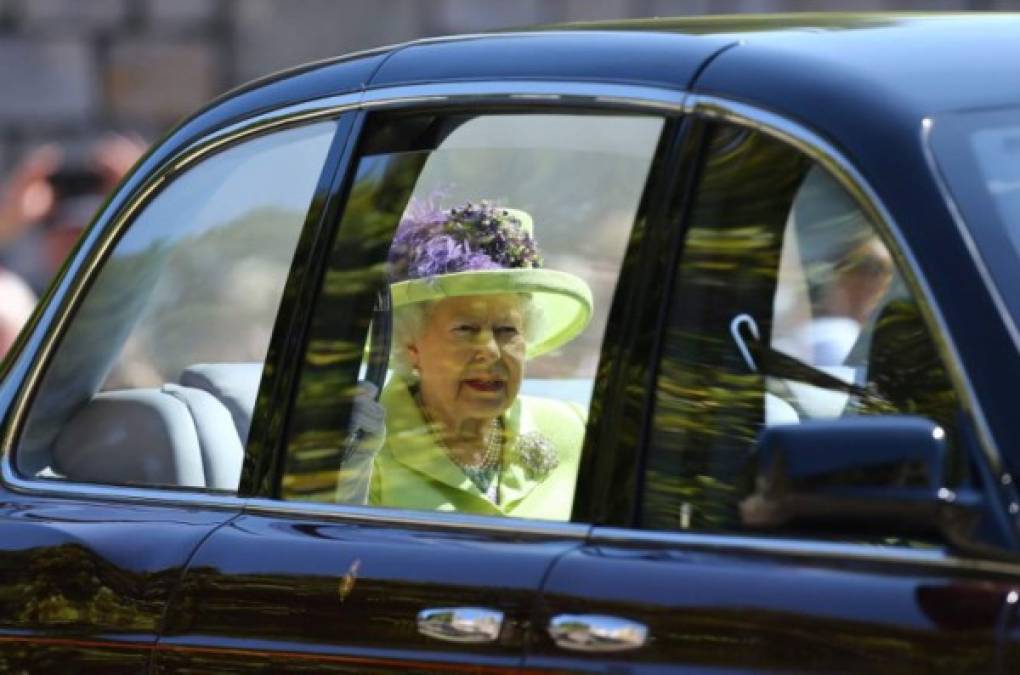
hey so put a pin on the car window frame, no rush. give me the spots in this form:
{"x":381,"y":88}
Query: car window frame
{"x":86,"y":262}
{"x":638,"y":250}
{"x":704,"y":110}
{"x":504,"y":97}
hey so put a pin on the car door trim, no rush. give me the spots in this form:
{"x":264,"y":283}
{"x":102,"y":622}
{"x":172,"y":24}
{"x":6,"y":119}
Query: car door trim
{"x":350,"y":513}
{"x":822,"y":151}
{"x":523,"y":92}
{"x":803,"y":549}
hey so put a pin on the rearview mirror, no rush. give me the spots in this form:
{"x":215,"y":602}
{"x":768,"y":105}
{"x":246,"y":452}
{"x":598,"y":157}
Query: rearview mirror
{"x":856,"y":474}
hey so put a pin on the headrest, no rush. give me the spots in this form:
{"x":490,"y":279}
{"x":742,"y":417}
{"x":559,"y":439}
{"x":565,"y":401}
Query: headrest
{"x":235,"y":385}
{"x":103,"y":441}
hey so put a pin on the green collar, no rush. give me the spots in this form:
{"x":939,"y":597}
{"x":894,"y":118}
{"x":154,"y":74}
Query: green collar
{"x":412,"y":444}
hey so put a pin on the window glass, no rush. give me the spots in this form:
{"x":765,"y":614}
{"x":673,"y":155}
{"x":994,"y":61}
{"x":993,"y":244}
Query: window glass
{"x":155,"y":380}
{"x":788,"y":309}
{"x":497,"y":242}
{"x":978,"y":153}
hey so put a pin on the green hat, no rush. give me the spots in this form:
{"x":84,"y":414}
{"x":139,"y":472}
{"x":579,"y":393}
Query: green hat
{"x":482,"y":249}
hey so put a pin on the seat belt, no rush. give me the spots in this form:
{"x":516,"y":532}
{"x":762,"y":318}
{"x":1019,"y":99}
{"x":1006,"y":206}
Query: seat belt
{"x":773,"y":363}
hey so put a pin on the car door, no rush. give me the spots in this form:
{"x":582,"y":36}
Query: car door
{"x":791,"y":310}
{"x":310,"y":577}
{"x":120,"y":454}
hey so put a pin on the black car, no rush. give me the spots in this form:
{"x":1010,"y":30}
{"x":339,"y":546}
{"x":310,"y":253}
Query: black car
{"x":802,"y":240}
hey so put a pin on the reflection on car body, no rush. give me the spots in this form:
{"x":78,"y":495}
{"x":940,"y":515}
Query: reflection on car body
{"x":776,"y":285}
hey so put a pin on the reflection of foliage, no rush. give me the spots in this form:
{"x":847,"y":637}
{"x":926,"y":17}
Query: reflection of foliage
{"x":356,"y":270}
{"x":709,"y":406}
{"x":905,"y":369}
{"x":97,"y":333}
{"x":67,"y":590}
{"x":67,"y":587}
{"x":70,"y":586}
{"x":305,"y":607}
{"x":723,"y":627}
{"x":218,"y":293}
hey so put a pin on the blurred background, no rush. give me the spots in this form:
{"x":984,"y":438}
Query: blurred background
{"x":73,"y":69}
{"x":88,"y":84}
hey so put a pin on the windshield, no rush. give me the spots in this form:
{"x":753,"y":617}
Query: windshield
{"x":979,"y":154}
{"x":998,"y":155}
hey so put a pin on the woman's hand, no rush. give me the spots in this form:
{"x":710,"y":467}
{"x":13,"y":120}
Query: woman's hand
{"x":368,"y":417}
{"x":365,"y":440}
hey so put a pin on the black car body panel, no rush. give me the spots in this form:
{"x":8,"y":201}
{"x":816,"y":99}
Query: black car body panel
{"x":87,"y":583}
{"x":652,"y":60}
{"x":350,"y":594}
{"x":804,"y":613}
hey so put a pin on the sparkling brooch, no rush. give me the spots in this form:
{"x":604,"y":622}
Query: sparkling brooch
{"x":536,"y":454}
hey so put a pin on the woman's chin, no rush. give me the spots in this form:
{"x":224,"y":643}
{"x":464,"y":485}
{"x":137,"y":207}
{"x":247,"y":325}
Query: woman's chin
{"x":485,"y":404}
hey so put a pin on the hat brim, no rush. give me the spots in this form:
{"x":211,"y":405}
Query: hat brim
{"x":564,"y":300}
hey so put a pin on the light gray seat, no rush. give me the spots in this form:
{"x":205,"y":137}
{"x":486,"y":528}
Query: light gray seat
{"x":190,"y":434}
{"x":219,"y":444}
{"x":235,"y":385}
{"x":133,"y":437}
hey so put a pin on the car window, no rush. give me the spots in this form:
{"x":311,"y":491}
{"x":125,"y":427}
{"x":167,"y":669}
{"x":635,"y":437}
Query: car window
{"x":788,"y":309}
{"x":154,"y":381}
{"x":977,"y":153}
{"x":470,"y":281}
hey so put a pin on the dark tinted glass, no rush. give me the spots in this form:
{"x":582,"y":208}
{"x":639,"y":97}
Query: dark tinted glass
{"x":787,"y":308}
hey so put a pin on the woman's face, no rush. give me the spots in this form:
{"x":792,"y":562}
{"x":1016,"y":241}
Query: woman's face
{"x":470,"y":357}
{"x":863,"y":277}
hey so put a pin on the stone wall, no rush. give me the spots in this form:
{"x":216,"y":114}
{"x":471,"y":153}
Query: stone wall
{"x":72,"y":69}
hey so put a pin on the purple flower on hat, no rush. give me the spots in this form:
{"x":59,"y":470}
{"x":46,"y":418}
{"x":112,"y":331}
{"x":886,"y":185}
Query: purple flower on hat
{"x":431,"y":241}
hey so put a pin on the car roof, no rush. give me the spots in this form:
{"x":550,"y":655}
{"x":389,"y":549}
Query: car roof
{"x":921,"y":63}
{"x":909,"y":65}
{"x":838,"y":70}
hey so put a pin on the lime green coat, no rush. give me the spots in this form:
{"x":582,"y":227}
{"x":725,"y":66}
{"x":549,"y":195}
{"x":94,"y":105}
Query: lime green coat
{"x":412,"y":471}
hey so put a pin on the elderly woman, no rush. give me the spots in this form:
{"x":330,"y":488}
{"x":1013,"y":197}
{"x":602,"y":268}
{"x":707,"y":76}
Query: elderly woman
{"x":471,"y":305}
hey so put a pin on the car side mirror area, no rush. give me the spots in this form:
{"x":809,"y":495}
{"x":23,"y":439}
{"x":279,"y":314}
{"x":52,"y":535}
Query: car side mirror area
{"x":859,"y":476}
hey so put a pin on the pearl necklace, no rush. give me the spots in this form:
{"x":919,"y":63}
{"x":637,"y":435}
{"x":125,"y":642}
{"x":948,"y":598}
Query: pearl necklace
{"x":484,"y":473}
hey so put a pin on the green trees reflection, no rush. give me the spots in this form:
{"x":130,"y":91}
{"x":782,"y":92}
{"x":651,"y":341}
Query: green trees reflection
{"x":710,"y":405}
{"x":69,"y":586}
{"x":356,"y":271}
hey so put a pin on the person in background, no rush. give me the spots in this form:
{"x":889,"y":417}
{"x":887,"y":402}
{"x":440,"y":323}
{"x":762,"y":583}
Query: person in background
{"x":16,"y":304}
{"x":50,"y":197}
{"x":46,"y":202}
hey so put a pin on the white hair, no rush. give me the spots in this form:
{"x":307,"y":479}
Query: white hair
{"x":409,"y":324}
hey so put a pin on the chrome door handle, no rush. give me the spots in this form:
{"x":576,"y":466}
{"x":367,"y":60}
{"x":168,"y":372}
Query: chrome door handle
{"x":596,"y":633}
{"x":461,"y":624}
